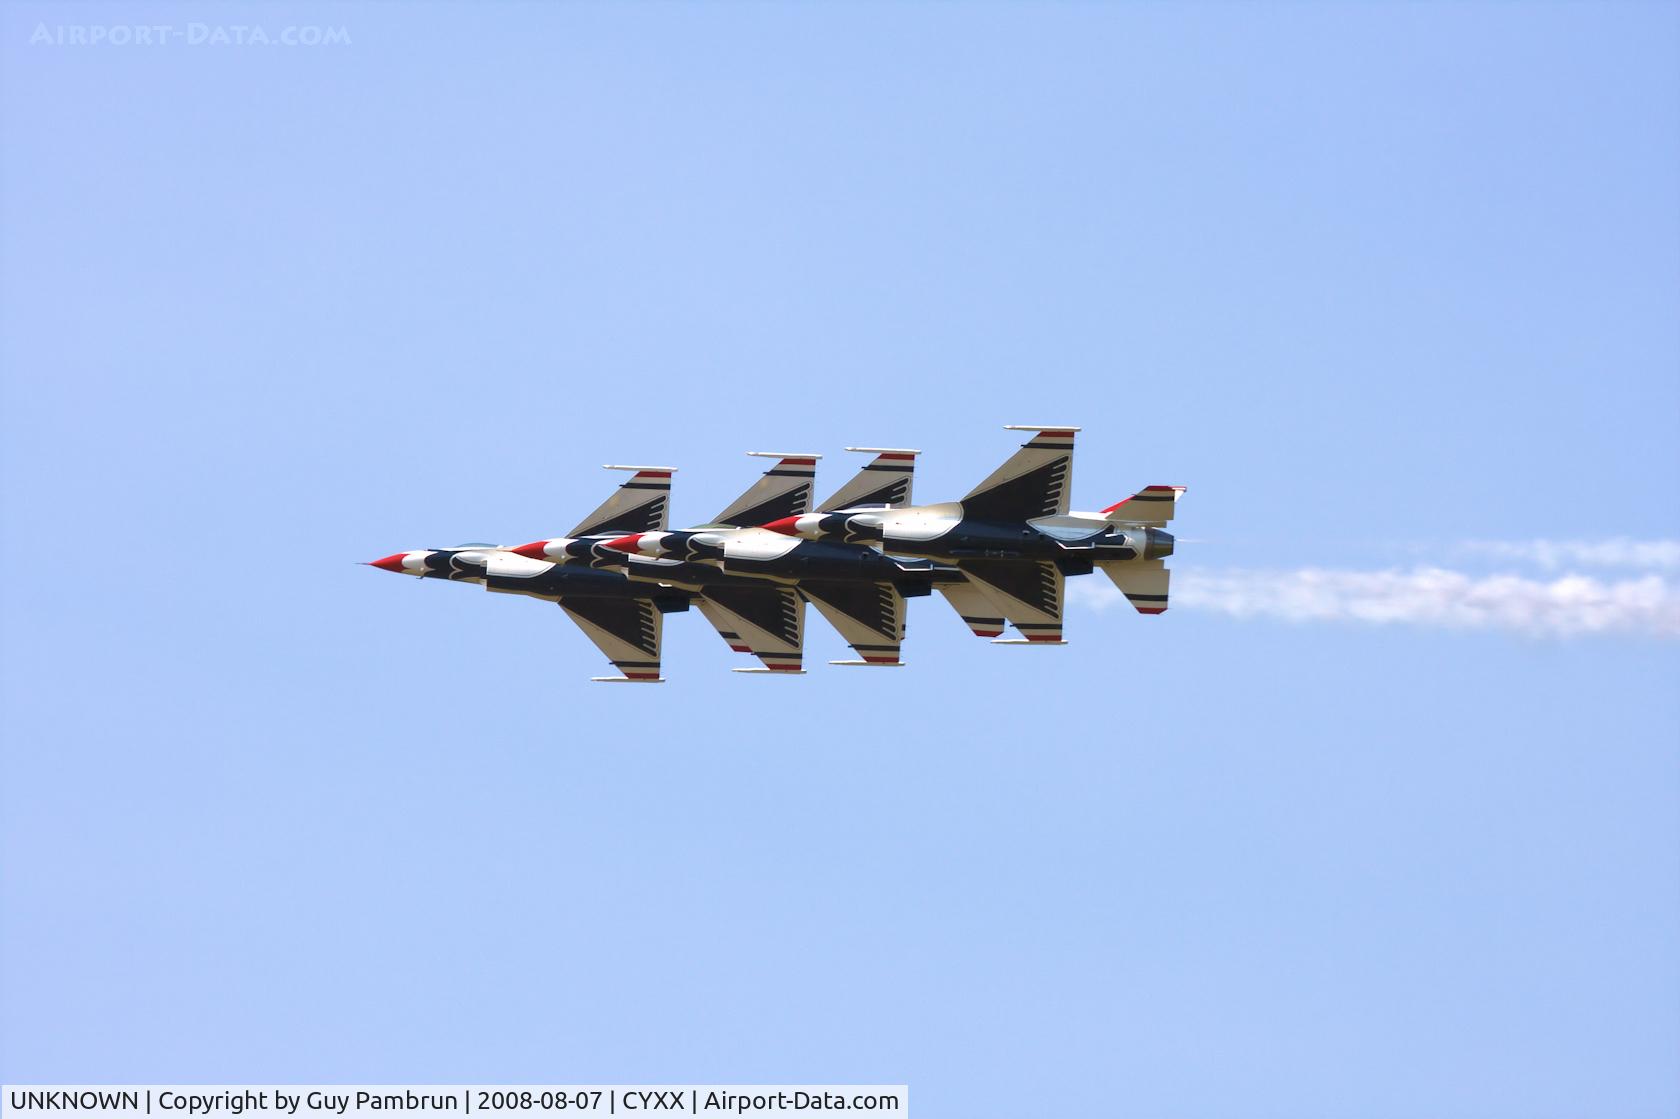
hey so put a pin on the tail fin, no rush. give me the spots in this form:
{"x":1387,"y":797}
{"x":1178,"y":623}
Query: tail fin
{"x":1145,"y":585}
{"x":783,"y":491}
{"x":640,"y":505}
{"x":885,"y":481}
{"x":1034,"y":482}
{"x":1150,"y":506}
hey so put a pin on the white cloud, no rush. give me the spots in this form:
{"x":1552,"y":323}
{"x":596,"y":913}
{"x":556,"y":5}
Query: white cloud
{"x":1553,"y":555}
{"x":1569,"y":606}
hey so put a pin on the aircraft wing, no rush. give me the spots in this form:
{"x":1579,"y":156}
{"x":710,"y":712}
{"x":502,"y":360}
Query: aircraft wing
{"x":767,"y":621}
{"x":975,"y":607}
{"x":627,"y":630}
{"x":1028,"y":592}
{"x":870,"y":616}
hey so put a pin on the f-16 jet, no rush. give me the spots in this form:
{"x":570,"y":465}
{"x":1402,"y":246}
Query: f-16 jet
{"x":624,"y":618}
{"x":857,"y":589}
{"x":1015,"y":540}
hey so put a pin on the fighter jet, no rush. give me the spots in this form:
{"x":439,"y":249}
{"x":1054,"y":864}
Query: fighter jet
{"x":624,"y":619}
{"x":751,"y":615}
{"x":1016,"y":541}
{"x":857,"y":589}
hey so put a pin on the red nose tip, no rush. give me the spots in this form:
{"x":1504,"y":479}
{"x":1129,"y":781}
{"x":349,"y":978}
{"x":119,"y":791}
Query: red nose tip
{"x":624,"y":543}
{"x":533,"y":550}
{"x":784,"y":526}
{"x":390,"y":563}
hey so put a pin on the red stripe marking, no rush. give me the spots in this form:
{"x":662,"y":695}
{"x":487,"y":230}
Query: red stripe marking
{"x":989,"y":632}
{"x":1117,"y":504}
{"x":1146,"y":489}
{"x":1151,"y":609}
{"x":1057,"y":434}
{"x":897,"y":457}
{"x":740,"y":648}
{"x":653,"y":473}
{"x":642,"y":675}
{"x":1044,"y":637}
{"x":784,"y":668}
{"x":880,"y":660}
{"x":799,"y":462}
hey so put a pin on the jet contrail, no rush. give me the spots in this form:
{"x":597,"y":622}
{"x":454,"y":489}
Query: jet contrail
{"x":1568,"y":606}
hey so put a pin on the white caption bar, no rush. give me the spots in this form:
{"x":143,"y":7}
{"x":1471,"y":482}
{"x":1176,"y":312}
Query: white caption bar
{"x":431,"y":1101}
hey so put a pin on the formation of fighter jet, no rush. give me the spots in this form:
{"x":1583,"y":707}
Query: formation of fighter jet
{"x":1001,"y":554}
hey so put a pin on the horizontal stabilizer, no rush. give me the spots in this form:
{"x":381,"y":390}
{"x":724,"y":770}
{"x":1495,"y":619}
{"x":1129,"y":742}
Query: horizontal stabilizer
{"x":1151,"y":506}
{"x":1143,"y":583}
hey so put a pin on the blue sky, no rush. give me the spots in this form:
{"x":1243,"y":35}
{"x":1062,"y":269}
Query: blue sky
{"x":1375,"y":282}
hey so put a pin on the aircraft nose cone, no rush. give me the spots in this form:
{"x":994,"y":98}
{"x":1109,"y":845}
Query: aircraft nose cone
{"x":390,"y":563}
{"x":533,"y":550}
{"x":625,"y":544}
{"x":785,"y":526}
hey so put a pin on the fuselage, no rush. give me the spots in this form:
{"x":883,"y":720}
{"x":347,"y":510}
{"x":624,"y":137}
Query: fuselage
{"x":504,"y":571}
{"x":946,"y":532}
{"x":757,"y":553}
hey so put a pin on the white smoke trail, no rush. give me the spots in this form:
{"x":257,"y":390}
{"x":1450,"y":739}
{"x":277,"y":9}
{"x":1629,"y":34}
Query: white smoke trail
{"x":1553,"y":555}
{"x":1568,"y":606}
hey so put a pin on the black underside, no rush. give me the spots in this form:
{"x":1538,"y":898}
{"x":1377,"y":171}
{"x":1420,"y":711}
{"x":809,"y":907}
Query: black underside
{"x":1031,"y":582}
{"x":629,"y":620}
{"x":870,"y":604}
{"x":773,"y":609}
